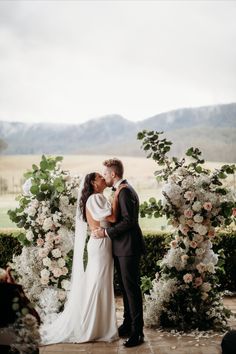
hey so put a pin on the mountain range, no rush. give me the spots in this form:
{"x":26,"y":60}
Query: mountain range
{"x":210,"y":128}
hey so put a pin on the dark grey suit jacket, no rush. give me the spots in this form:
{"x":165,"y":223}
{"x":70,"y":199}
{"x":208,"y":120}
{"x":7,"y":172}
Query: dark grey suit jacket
{"x":125,"y":233}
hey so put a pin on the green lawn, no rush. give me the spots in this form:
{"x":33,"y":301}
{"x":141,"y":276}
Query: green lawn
{"x":5,"y":222}
{"x":8,"y":202}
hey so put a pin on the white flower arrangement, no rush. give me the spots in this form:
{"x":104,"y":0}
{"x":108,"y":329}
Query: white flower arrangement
{"x":46,"y":210}
{"x":196,"y":203}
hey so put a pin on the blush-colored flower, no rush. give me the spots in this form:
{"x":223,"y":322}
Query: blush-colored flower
{"x":184,"y":258}
{"x":40,"y":242}
{"x":207,"y":206}
{"x":184,"y":229}
{"x":190,"y":222}
{"x":211,"y":233}
{"x":174,"y":243}
{"x":201,"y":267}
{"x":189,"y":195}
{"x":198,"y":238}
{"x":64,"y":270}
{"x":188,"y":278}
{"x":193,"y":244}
{"x":188,"y":213}
{"x":56,"y":272}
{"x":198,"y":281}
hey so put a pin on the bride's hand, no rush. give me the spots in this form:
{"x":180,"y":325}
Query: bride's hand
{"x":99,"y":233}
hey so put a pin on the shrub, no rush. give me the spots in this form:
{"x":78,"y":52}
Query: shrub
{"x":9,"y":245}
{"x":156,"y":246}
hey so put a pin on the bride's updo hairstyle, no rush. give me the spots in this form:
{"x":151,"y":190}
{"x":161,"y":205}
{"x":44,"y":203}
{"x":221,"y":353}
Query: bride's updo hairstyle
{"x":86,"y":192}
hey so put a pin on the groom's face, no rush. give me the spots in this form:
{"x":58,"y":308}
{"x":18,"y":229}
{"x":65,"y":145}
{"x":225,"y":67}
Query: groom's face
{"x":109,"y":176}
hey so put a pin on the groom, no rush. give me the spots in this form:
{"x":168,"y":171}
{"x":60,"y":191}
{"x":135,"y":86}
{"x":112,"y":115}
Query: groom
{"x":127,"y":245}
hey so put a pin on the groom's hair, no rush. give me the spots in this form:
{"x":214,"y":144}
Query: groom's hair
{"x":116,"y":165}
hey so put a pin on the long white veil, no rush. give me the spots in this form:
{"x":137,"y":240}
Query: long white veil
{"x":66,"y":327}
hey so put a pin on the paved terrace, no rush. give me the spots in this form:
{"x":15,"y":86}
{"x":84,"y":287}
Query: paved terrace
{"x":156,"y":342}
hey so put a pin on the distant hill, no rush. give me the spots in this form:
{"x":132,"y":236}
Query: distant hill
{"x":211,"y":128}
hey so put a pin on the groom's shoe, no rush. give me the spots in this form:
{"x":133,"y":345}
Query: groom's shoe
{"x":124,"y":330}
{"x":134,"y":340}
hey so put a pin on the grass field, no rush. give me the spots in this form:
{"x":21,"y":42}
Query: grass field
{"x":139,"y":172}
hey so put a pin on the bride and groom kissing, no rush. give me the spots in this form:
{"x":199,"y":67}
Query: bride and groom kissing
{"x":115,"y":240}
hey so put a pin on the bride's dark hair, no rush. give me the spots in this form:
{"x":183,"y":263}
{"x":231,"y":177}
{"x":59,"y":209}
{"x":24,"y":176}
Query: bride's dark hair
{"x":86,"y":192}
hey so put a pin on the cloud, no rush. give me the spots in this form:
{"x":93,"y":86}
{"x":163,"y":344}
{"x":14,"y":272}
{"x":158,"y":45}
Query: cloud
{"x":75,"y":60}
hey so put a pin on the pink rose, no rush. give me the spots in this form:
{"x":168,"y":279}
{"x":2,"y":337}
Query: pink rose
{"x":187,"y":278}
{"x":184,"y":229}
{"x":211,"y":233}
{"x":188,"y":213}
{"x":174,"y":244}
{"x":57,"y":239}
{"x":207,"y":206}
{"x":193,"y":244}
{"x":57,"y":272}
{"x":198,"y":281}
{"x":190,"y":222}
{"x":189,"y":195}
{"x":40,"y":242}
{"x":64,"y":270}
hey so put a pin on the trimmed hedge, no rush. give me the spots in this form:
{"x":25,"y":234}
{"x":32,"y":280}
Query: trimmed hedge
{"x":9,"y":245}
{"x":156,"y":246}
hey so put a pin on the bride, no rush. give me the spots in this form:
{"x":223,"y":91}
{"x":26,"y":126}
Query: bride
{"x":89,"y":313}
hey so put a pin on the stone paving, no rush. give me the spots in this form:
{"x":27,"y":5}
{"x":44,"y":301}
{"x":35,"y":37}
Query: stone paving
{"x":156,"y":342}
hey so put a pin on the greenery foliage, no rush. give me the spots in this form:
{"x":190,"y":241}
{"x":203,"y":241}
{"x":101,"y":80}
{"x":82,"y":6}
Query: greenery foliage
{"x":185,"y":295}
{"x":157,"y":245}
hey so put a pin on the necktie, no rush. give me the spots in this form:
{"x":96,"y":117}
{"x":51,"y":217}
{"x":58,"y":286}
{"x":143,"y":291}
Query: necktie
{"x":113,"y":189}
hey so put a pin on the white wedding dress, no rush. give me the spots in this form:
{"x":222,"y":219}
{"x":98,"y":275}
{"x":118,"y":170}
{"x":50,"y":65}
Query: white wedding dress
{"x":89,"y":313}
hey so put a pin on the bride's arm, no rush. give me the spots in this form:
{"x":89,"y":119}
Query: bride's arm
{"x":114,"y":207}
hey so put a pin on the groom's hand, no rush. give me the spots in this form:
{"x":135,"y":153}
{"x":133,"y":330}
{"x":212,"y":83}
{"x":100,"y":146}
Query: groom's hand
{"x":99,"y":233}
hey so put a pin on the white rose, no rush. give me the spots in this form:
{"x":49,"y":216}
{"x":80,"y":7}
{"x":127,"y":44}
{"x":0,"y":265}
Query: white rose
{"x":43,"y":252}
{"x":65,"y":284}
{"x":45,"y":273}
{"x":31,"y":211}
{"x":206,"y":287}
{"x":199,"y":251}
{"x":29,"y":235}
{"x":44,"y":280}
{"x":47,"y":224}
{"x":210,"y":267}
{"x":61,"y":262}
{"x":204,"y":296}
{"x":198,"y":218}
{"x":202,"y":230}
{"x":61,"y":295}
{"x":56,"y":253}
{"x":47,"y":261}
{"x":197,"y":206}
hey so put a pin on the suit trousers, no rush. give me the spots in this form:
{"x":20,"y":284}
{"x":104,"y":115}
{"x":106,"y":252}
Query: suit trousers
{"x":129,"y":280}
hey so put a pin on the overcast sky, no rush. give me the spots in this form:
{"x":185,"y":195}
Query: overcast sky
{"x":70,"y":61}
